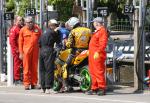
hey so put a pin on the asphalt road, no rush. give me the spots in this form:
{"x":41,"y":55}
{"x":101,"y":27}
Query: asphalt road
{"x":19,"y":95}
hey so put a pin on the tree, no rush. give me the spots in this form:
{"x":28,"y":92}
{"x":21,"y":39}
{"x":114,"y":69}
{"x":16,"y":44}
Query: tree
{"x":10,"y":5}
{"x":114,"y":6}
{"x":23,"y":4}
{"x":65,"y":11}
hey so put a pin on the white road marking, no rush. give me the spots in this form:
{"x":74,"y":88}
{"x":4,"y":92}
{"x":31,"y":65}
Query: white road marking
{"x":74,"y":97}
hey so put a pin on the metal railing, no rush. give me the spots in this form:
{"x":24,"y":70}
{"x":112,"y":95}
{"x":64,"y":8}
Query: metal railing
{"x":121,"y":25}
{"x":125,"y":25}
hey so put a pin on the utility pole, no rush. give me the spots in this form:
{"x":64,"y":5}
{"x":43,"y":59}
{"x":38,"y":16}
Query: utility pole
{"x":36,"y":7}
{"x":92,"y":10}
{"x":41,"y":13}
{"x":1,"y":37}
{"x":136,"y":32}
{"x":3,"y":63}
{"x":46,"y":13}
{"x":1,"y":13}
{"x":88,"y":11}
{"x":139,"y":47}
{"x":31,"y":3}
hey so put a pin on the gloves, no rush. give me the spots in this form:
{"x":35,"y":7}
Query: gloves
{"x":96,"y":55}
{"x":56,"y":73}
{"x":68,"y":44}
{"x":87,"y":52}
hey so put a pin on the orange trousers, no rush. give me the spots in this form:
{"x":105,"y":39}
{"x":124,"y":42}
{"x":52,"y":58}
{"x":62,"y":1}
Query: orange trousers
{"x":97,"y":72}
{"x":30,"y":65}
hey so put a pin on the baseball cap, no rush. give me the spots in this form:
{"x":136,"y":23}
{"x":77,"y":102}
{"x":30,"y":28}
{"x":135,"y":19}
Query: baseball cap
{"x":53,"y":21}
{"x":98,"y":19}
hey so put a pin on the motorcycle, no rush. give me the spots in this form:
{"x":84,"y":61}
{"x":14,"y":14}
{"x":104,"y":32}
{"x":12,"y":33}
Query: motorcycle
{"x":78,"y":74}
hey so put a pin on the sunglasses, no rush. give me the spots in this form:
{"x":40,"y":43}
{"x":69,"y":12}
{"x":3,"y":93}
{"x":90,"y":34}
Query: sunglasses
{"x":30,"y":22}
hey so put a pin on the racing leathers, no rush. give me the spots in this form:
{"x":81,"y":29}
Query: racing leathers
{"x":78,"y":41}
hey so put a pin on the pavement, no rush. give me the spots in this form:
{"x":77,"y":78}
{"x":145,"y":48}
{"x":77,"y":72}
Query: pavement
{"x":121,"y":94}
{"x":112,"y":89}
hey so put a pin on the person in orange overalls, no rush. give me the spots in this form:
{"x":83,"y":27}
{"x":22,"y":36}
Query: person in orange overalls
{"x":97,"y":57}
{"x":29,"y":51}
{"x":13,"y":39}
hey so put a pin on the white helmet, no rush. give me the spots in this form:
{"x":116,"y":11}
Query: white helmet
{"x":73,"y":21}
{"x":53,"y":21}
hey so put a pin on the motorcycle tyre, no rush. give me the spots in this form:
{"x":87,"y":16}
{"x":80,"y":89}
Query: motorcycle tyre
{"x":85,"y":84}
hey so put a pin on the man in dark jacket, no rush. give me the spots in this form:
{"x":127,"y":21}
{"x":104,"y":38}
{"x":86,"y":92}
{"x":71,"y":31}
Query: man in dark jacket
{"x":47,"y":56}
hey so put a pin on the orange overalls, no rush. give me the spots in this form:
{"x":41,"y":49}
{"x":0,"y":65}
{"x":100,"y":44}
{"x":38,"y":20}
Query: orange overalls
{"x":98,"y":44}
{"x":13,"y":39}
{"x":28,"y":45}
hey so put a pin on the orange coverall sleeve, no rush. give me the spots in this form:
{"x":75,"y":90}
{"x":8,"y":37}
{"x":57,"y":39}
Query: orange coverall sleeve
{"x":13,"y":39}
{"x":20,"y":41}
{"x":103,"y":38}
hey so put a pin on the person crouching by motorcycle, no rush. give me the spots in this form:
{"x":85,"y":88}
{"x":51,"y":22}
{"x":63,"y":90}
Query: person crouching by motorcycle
{"x":47,"y":56}
{"x":78,"y":41}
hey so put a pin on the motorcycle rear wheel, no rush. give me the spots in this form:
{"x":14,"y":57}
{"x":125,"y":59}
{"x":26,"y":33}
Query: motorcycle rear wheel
{"x":85,"y":84}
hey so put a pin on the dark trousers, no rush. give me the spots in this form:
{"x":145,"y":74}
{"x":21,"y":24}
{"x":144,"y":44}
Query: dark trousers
{"x":47,"y":58}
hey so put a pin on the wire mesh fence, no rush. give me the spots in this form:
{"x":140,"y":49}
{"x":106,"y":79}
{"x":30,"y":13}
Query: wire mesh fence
{"x":125,"y":25}
{"x":121,"y":25}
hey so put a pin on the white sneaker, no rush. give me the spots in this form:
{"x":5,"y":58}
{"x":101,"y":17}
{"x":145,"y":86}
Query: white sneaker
{"x":52,"y":91}
{"x":47,"y":91}
{"x":42,"y":91}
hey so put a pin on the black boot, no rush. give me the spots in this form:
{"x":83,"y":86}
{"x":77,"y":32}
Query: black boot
{"x":91,"y":92}
{"x":101,"y":92}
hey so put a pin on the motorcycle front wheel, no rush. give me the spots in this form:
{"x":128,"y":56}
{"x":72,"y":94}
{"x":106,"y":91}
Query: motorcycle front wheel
{"x":85,"y":84}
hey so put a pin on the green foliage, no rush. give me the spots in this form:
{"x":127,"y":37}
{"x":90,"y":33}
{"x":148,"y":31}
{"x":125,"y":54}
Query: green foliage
{"x":23,"y":4}
{"x":114,"y":6}
{"x":10,"y":5}
{"x":63,"y":7}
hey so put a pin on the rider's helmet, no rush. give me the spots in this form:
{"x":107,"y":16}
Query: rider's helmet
{"x":73,"y":21}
